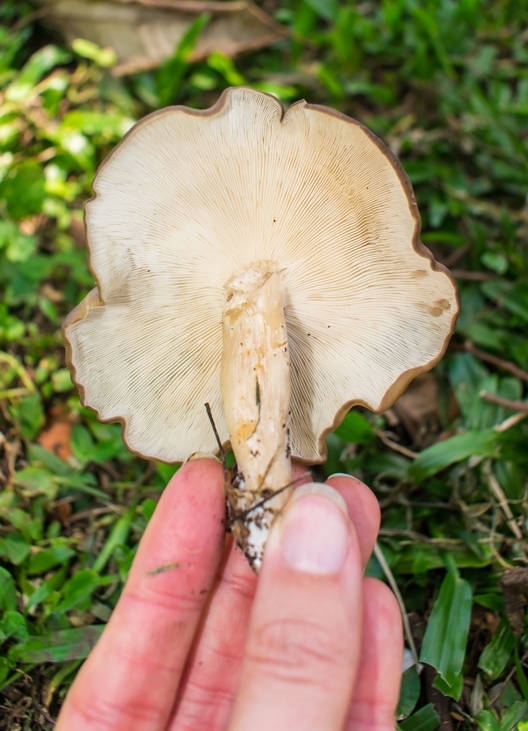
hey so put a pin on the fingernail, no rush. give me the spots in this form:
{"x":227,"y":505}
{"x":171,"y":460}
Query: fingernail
{"x":314,"y":530}
{"x":203,"y":455}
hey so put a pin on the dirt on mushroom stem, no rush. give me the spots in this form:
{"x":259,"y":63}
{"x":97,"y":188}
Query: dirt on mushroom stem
{"x":255,"y":382}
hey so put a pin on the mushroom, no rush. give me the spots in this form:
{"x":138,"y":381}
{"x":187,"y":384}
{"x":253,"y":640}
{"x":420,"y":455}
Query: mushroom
{"x":243,"y":254}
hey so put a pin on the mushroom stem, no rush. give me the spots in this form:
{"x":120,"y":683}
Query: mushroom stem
{"x":255,"y":382}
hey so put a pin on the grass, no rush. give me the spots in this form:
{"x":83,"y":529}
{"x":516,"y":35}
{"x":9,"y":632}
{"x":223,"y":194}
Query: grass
{"x":445,"y":84}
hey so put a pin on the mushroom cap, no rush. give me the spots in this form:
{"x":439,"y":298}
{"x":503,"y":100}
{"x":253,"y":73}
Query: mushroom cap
{"x":187,"y":199}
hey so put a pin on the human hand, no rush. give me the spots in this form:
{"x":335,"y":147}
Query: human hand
{"x":196,"y":643}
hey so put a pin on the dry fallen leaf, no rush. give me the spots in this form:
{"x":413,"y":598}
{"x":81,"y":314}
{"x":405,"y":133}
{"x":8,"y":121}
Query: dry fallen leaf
{"x":145,"y":32}
{"x":57,"y":434}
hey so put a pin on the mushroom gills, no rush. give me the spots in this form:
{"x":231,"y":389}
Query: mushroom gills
{"x":255,"y":384}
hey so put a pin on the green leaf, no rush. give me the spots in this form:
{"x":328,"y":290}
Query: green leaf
{"x":454,"y":689}
{"x":225,"y":66}
{"x":14,"y":548}
{"x":103,"y":57}
{"x":326,"y":9}
{"x":48,"y":558}
{"x":39,"y":64}
{"x":5,"y":667}
{"x":498,"y":651}
{"x":487,"y":721}
{"x":170,"y":74}
{"x":82,"y":443}
{"x":24,"y":189}
{"x":518,"y":712}
{"x":49,"y":460}
{"x":8,"y":598}
{"x":61,"y":380}
{"x":78,"y":590}
{"x":409,"y":692}
{"x":426,"y":719}
{"x":356,"y":429}
{"x":118,"y":537}
{"x":511,"y":295}
{"x":436,"y":458}
{"x":60,"y":646}
{"x":18,"y":246}
{"x":13,"y":624}
{"x":36,"y":481}
{"x":444,"y":643}
{"x":29,"y":414}
{"x":521,"y":677}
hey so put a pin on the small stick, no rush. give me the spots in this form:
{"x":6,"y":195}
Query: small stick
{"x":394,"y":586}
{"x":260,"y":503}
{"x":227,"y":479}
{"x":497,"y":490}
{"x":499,"y":362}
{"x":513,"y":405}
{"x":394,"y":446}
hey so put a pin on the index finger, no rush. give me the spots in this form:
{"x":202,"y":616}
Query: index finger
{"x":131,"y":678}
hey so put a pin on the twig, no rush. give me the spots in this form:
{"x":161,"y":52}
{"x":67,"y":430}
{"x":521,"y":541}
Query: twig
{"x":395,"y":446}
{"x":442,"y":543}
{"x":510,"y":421}
{"x":394,"y":586}
{"x":457,"y":254}
{"x":497,"y":490}
{"x":475,"y":276}
{"x":494,"y":360}
{"x":42,"y":711}
{"x":521,"y":406}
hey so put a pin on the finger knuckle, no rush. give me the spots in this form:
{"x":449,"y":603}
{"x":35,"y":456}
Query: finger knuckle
{"x":297,"y":650}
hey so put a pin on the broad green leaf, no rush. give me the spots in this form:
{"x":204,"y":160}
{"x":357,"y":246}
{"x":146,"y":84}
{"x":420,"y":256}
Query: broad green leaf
{"x":39,"y":64}
{"x":444,"y":643}
{"x":82,"y":443}
{"x":487,"y":721}
{"x":49,"y":460}
{"x":498,"y":651}
{"x":326,"y":9}
{"x":465,"y":375}
{"x":170,"y":74}
{"x":60,"y":646}
{"x":409,"y":692}
{"x":61,"y":380}
{"x":490,"y":601}
{"x":46,"y":559}
{"x":13,"y":624}
{"x":46,"y":588}
{"x":356,"y":429}
{"x":225,"y":66}
{"x":78,"y":590}
{"x":102,"y":56}
{"x":36,"y":481}
{"x":8,"y":598}
{"x":426,"y":719}
{"x":15,"y":548}
{"x":518,"y":712}
{"x":23,"y":189}
{"x":112,"y":126}
{"x":454,"y":690}
{"x":511,"y":295}
{"x":436,"y":458}
{"x":30,"y":415}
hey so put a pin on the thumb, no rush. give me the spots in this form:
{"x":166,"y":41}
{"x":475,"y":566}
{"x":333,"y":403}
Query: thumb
{"x":304,"y":638}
